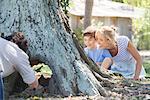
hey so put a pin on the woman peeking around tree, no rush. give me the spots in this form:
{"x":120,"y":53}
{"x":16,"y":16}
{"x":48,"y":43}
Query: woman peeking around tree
{"x":125,"y":57}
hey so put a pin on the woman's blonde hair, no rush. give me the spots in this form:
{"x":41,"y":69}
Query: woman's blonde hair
{"x":108,"y":31}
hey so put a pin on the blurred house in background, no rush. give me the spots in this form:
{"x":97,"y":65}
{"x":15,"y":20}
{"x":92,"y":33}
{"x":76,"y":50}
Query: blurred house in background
{"x":106,"y":12}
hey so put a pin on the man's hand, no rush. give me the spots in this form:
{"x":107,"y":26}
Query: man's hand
{"x":35,"y":84}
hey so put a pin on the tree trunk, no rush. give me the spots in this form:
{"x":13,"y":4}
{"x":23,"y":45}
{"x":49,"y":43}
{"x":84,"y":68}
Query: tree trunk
{"x":88,"y":13}
{"x":51,"y":40}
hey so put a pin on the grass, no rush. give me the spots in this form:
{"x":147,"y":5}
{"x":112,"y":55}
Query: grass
{"x":146,"y":65}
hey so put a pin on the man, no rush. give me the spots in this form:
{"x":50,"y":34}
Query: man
{"x":15,"y":59}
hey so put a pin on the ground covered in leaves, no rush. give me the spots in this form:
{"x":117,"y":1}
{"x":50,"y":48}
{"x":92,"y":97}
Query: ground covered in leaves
{"x":118,"y":89}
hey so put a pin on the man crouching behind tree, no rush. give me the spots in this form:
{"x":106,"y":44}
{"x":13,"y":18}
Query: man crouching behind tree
{"x":15,"y":59}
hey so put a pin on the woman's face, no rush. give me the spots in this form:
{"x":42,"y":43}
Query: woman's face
{"x":103,"y":41}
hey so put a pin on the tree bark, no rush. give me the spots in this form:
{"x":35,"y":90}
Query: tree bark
{"x":52,"y":42}
{"x":88,"y":13}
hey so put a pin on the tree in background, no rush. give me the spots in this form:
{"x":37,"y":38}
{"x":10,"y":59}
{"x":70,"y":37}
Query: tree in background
{"x":88,"y":13}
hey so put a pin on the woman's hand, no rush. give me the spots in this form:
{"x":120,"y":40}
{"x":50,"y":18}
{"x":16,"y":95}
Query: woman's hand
{"x":136,"y":78}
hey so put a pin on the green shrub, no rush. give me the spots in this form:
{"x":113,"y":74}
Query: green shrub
{"x":143,"y":41}
{"x":146,"y":65}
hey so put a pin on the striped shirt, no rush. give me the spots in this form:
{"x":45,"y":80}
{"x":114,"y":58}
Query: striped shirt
{"x":124,"y":63}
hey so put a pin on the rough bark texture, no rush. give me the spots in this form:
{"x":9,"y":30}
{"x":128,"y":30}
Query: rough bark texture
{"x":51,"y":41}
{"x":88,"y":13}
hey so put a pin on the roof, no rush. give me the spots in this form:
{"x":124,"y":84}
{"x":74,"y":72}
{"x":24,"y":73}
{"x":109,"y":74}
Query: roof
{"x":105,"y":8}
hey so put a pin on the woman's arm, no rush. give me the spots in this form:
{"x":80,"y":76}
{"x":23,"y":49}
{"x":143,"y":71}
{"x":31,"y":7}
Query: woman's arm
{"x":138,"y":59}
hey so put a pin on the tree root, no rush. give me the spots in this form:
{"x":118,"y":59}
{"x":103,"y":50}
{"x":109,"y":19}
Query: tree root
{"x":92,"y":66}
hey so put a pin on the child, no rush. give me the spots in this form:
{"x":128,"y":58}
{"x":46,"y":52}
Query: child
{"x":101,"y":57}
{"x":126,"y":59}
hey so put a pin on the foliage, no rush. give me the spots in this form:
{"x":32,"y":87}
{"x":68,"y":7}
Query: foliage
{"x":142,"y":25}
{"x":138,"y":3}
{"x":146,"y":65}
{"x":65,"y":5}
{"x":142,"y":30}
{"x":143,"y":41}
{"x":42,"y":69}
{"x":79,"y":35}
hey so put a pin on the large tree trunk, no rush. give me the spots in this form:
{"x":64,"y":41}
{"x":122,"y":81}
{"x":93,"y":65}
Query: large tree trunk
{"x":88,"y":13}
{"x":52,"y":42}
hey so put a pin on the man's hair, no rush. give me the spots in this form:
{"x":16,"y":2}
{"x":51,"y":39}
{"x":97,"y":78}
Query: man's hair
{"x":19,"y":39}
{"x":89,"y":31}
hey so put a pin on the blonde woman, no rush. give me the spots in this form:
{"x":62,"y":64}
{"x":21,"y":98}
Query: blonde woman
{"x":125,"y":57}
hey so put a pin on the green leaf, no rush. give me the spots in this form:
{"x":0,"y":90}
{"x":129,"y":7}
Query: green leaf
{"x":46,"y":71}
{"x":37,"y":67}
{"x":43,"y":70}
